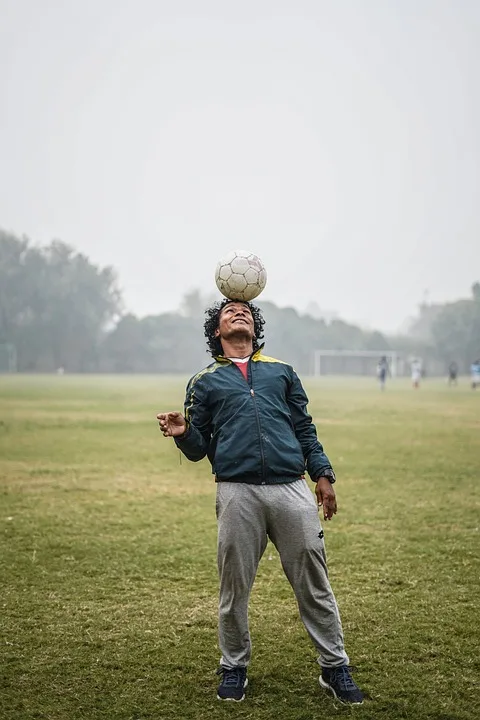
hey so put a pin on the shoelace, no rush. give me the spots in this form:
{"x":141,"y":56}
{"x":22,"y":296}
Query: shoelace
{"x":231,"y":678}
{"x":344,"y":679}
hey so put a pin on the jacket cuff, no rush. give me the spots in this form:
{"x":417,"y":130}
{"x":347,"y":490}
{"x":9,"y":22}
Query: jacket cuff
{"x":328,"y":473}
{"x":185,"y":434}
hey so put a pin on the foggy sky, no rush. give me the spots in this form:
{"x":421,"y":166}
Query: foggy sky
{"x":337,"y":139}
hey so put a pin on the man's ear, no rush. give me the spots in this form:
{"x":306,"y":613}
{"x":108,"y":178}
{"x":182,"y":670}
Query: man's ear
{"x":217,"y":332}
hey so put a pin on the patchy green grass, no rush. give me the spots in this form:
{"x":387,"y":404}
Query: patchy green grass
{"x":108,"y":561}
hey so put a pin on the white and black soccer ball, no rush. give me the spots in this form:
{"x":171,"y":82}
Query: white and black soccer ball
{"x":240,"y":275}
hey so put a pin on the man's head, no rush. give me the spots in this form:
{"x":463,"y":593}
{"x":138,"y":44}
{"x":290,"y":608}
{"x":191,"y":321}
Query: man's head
{"x":230,"y":318}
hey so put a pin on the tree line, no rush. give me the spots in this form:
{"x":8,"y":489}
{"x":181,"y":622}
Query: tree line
{"x":60,"y":311}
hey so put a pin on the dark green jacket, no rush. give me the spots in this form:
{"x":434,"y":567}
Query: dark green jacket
{"x":254,"y":432}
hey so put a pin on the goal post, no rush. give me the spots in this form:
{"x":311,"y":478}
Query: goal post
{"x":8,"y":358}
{"x":351,"y":362}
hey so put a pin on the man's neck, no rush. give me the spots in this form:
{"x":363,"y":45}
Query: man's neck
{"x":237,"y":348}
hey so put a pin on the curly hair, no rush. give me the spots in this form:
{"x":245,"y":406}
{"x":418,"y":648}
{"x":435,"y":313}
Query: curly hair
{"x":212,"y":322}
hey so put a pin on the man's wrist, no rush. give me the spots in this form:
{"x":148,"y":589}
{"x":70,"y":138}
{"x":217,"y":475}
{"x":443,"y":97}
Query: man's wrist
{"x":185,"y":432}
{"x":329,"y":474}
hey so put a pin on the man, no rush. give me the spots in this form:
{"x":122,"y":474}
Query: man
{"x":416,"y":368}
{"x":382,"y":371}
{"x":247,"y":413}
{"x":475,"y":373}
{"x":452,"y":373}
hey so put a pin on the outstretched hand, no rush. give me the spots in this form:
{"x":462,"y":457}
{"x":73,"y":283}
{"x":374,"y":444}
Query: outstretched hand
{"x":326,"y":497}
{"x":172,"y":424}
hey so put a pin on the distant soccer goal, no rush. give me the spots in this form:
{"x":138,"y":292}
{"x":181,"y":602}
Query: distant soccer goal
{"x":352,"y":362}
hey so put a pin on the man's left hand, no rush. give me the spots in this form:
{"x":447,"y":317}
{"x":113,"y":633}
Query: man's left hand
{"x":326,"y":497}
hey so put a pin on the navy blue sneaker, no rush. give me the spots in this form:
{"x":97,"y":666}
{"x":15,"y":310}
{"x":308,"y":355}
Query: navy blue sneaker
{"x":234,"y":682}
{"x":340,"y":683}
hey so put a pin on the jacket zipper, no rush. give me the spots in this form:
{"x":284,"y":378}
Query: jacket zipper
{"x":252,"y":393}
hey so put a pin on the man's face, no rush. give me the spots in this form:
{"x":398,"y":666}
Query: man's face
{"x":235,"y":320}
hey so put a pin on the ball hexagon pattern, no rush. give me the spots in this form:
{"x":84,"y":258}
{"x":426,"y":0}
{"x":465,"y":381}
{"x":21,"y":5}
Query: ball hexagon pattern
{"x":240,"y":275}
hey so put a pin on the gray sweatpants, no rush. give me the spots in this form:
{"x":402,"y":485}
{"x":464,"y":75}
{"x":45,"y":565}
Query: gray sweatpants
{"x":287,"y":514}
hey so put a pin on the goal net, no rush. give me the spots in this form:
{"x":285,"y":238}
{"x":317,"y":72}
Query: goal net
{"x":352,"y":362}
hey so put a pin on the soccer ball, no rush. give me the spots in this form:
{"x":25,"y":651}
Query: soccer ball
{"x":240,"y":275}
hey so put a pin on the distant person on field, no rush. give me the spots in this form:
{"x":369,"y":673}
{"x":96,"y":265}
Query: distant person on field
{"x":452,"y":373}
{"x":475,"y":373}
{"x":382,"y":371}
{"x":248,"y":414}
{"x":416,"y":369}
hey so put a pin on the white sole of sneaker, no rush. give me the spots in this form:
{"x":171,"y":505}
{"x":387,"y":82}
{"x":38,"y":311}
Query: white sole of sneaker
{"x":234,"y":699}
{"x":325,"y":685}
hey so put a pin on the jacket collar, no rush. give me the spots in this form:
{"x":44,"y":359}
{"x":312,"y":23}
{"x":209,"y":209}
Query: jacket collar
{"x":254,"y":355}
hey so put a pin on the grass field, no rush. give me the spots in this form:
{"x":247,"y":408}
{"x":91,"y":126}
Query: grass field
{"x":108,"y":571}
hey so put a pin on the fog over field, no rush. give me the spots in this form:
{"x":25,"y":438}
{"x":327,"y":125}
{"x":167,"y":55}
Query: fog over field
{"x":338,"y":140}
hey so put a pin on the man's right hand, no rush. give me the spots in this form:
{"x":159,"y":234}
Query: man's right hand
{"x":172,"y":424}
